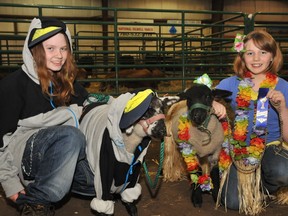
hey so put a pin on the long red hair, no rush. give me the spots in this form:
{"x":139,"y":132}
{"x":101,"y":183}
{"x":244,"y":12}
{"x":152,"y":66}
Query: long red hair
{"x":62,"y":81}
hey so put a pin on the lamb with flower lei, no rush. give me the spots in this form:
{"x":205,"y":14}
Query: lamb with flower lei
{"x":199,"y":147}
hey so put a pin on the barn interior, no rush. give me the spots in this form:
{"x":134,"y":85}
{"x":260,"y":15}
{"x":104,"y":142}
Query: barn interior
{"x":114,"y":42}
{"x":163,"y":44}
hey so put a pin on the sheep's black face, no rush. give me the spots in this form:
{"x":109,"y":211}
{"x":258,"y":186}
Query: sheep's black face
{"x":199,"y":102}
{"x":154,"y":119}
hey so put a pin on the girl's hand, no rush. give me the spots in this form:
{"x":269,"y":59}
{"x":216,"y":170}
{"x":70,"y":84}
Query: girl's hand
{"x":219,"y":109}
{"x":15,"y":196}
{"x":277,"y":99}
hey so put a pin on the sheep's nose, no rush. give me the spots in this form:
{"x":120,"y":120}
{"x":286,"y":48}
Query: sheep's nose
{"x":159,"y":131}
{"x":198,"y":116}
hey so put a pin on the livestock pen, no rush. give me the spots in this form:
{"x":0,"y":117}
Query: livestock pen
{"x":183,"y":44}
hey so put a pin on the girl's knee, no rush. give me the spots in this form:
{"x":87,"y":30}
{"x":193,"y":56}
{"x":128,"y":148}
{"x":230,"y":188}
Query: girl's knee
{"x":73,"y":133}
{"x":72,"y":137}
{"x":277,"y":177}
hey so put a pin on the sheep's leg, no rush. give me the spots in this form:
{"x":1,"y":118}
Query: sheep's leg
{"x":131,"y":208}
{"x":205,"y":165}
{"x":214,"y":174}
{"x":196,"y":195}
{"x":101,"y":214}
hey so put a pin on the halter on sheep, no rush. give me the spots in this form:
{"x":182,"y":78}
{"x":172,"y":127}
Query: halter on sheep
{"x":118,"y":135}
{"x":192,"y":124}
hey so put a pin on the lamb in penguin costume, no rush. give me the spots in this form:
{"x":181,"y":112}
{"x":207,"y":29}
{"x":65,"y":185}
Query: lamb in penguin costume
{"x":118,"y":134}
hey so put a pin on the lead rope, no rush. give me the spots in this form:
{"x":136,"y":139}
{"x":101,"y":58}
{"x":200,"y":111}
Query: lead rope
{"x":153,"y":184}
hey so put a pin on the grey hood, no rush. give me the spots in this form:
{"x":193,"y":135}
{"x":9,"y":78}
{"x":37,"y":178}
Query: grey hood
{"x":28,"y":66}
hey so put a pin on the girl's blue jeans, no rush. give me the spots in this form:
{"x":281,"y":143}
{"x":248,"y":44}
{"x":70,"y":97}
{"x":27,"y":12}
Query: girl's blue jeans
{"x":54,"y":159}
{"x":274,"y":175}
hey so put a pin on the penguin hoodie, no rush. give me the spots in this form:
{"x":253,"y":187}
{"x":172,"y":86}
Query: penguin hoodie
{"x":25,"y":109}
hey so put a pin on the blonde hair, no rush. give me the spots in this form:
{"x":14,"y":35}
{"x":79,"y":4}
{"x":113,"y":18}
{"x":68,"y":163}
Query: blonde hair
{"x":62,"y":81}
{"x":264,"y":41}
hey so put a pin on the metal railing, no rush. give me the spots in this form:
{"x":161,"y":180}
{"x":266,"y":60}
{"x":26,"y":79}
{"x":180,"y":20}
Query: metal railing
{"x":182,"y":44}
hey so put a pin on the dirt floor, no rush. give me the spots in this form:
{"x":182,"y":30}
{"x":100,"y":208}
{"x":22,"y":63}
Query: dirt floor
{"x":169,"y":199}
{"x":173,"y":199}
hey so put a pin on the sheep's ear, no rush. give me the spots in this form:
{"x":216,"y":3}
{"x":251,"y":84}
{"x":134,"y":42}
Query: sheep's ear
{"x":169,"y":100}
{"x":129,"y":130}
{"x":220,"y":93}
{"x":183,"y":95}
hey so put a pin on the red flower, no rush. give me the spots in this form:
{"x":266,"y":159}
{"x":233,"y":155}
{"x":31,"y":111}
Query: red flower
{"x":202,"y":179}
{"x":241,"y":102}
{"x":239,"y":137}
{"x":184,"y":134}
{"x":224,"y":156}
{"x":240,"y":151}
{"x":225,"y":125}
{"x":271,"y":77}
{"x":248,"y":74}
{"x":192,"y":167}
{"x":258,"y":142}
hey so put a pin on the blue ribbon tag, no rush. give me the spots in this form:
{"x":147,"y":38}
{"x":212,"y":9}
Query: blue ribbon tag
{"x":262,"y":109}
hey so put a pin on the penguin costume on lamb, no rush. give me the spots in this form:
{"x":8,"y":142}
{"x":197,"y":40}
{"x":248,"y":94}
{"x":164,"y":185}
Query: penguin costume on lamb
{"x":116,"y":171}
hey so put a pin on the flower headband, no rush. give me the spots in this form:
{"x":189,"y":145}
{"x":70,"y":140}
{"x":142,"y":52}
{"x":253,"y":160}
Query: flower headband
{"x":238,"y":43}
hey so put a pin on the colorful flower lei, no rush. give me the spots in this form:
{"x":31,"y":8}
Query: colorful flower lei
{"x":250,"y":153}
{"x":224,"y":158}
{"x":189,"y":155}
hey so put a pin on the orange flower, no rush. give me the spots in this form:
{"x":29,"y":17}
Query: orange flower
{"x":271,"y":79}
{"x":192,"y":167}
{"x":224,"y":160}
{"x":184,"y":134}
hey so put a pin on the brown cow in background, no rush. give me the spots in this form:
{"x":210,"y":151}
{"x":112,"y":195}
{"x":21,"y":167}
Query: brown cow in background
{"x":136,"y":75}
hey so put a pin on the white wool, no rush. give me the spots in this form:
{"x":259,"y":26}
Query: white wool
{"x":102,"y":206}
{"x":131,"y":194}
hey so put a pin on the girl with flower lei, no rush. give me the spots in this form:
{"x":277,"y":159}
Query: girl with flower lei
{"x":254,"y":159}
